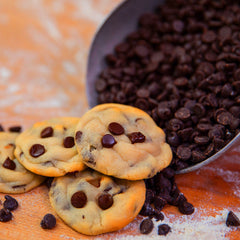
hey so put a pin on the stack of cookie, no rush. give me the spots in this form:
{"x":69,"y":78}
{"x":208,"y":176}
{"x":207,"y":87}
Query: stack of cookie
{"x":98,"y":163}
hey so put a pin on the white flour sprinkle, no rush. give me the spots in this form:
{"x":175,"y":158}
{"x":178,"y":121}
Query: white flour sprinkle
{"x":5,"y":73}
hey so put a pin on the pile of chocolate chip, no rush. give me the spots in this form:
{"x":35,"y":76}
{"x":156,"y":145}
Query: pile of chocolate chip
{"x":182,"y":66}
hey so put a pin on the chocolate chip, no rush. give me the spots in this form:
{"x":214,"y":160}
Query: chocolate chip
{"x":147,"y":210}
{"x":141,"y":51}
{"x":146,"y":226}
{"x":108,"y":141}
{"x":159,"y":202}
{"x":164,"y":113}
{"x":209,"y":36}
{"x":184,"y":153}
{"x":197,"y":156}
{"x":105,"y":201}
{"x":47,"y":132}
{"x":10,"y":203}
{"x":5,"y":215}
{"x":17,"y":129}
{"x":115,"y":128}
{"x":201,"y":140}
{"x":173,"y":139}
{"x":174,"y":124}
{"x":186,"y":208}
{"x":224,"y":118}
{"x":78,"y":136}
{"x":48,"y":221}
{"x":163,"y":229}
{"x":79,"y":199}
{"x":158,"y":215}
{"x":1,"y":128}
{"x":95,"y":182}
{"x":37,"y":150}
{"x":232,"y":220}
{"x":9,"y":164}
{"x":136,"y":137}
{"x":68,"y":142}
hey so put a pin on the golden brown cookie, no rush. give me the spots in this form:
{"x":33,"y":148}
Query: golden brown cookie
{"x":48,"y":148}
{"x":14,"y":178}
{"x":93,"y":203}
{"x":122,"y":141}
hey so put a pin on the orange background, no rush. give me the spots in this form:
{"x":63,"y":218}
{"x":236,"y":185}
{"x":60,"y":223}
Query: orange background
{"x":43,"y":53}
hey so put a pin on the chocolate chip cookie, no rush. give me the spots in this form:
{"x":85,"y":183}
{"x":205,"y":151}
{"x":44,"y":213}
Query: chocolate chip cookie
{"x":122,"y":141}
{"x":93,"y":203}
{"x":14,"y":178}
{"x":48,"y":147}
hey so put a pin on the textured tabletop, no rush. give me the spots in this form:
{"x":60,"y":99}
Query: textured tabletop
{"x":43,"y":54}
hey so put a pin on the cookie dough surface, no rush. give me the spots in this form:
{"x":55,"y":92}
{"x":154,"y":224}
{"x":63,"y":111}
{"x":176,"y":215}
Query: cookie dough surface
{"x":93,"y":203}
{"x":48,"y":148}
{"x":14,"y":178}
{"x":122,"y":141}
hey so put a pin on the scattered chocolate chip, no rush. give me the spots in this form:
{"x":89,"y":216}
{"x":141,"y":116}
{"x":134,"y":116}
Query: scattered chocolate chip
{"x":79,"y":199}
{"x":163,"y":229}
{"x":78,"y":136}
{"x":68,"y":142}
{"x":136,"y":137}
{"x":5,"y":215}
{"x":146,"y":226}
{"x":9,"y":164}
{"x":37,"y":150}
{"x":186,"y":208}
{"x":232,"y":219}
{"x":47,"y":132}
{"x":48,"y":221}
{"x":108,"y":141}
{"x":16,"y":129}
{"x":10,"y":203}
{"x":105,"y":201}
{"x":115,"y":128}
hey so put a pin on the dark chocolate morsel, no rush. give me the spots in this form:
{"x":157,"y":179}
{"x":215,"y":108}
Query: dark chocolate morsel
{"x":47,"y":132}
{"x":136,"y":137}
{"x":115,"y":128}
{"x":95,"y":182}
{"x":186,"y":208}
{"x":108,"y":141}
{"x":79,"y":199}
{"x":5,"y":215}
{"x":163,"y":229}
{"x":232,"y":220}
{"x":146,"y":226}
{"x":68,"y":142}
{"x":17,"y":129}
{"x":37,"y":150}
{"x":10,"y":203}
{"x":105,"y":201}
{"x":48,"y":221}
{"x":9,"y":164}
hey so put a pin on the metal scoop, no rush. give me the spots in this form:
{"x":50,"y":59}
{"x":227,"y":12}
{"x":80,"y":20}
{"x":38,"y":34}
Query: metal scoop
{"x":122,"y":21}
